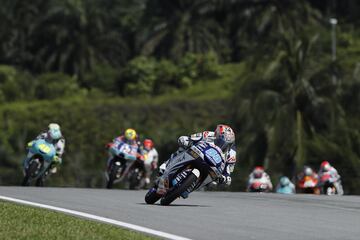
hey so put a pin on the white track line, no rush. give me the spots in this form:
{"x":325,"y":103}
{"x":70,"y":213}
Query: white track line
{"x":98,"y":218}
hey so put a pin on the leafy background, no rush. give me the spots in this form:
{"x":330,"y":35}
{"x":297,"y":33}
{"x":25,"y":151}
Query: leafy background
{"x":171,"y":68}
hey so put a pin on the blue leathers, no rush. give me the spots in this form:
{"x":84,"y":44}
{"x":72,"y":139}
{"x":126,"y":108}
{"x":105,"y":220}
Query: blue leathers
{"x":207,"y":136}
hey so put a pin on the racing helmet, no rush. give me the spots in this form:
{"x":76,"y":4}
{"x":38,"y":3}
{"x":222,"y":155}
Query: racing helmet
{"x":148,"y":144}
{"x":130,"y":134}
{"x":224,"y":137}
{"x":54,"y":131}
{"x":258,"y":172}
{"x":308,"y":171}
{"x":325,"y":166}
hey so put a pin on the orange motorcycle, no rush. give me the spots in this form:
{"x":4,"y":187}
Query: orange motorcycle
{"x":308,"y":184}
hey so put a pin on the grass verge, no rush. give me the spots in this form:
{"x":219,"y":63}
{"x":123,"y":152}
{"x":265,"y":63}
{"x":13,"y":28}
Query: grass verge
{"x":23,"y":222}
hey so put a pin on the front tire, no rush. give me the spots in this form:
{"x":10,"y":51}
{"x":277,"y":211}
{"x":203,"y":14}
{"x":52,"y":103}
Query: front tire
{"x":112,"y":176}
{"x":39,"y":182}
{"x":29,"y":173}
{"x":151,"y":196}
{"x":174,"y":193}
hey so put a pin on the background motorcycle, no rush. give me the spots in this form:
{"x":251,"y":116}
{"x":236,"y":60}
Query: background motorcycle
{"x":327,"y":184}
{"x":202,"y":163}
{"x":259,"y":185}
{"x":122,"y":154}
{"x":308,"y":184}
{"x":39,"y":164}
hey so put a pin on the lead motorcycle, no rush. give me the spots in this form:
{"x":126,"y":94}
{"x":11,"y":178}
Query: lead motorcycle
{"x":39,"y":164}
{"x":188,"y":170}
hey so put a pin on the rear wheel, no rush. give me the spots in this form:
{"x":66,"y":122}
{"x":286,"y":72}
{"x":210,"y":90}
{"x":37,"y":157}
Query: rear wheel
{"x":176,"y":191}
{"x":134,"y":179}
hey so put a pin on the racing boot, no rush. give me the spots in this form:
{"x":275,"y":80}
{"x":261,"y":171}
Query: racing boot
{"x":163,"y":186}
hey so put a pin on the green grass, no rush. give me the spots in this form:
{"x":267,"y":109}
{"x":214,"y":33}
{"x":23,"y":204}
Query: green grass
{"x":22,"y":222}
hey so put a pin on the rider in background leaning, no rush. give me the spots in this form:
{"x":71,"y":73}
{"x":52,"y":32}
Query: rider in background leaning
{"x":307,"y":172}
{"x":151,"y":158}
{"x":54,"y":136}
{"x":285,"y":186}
{"x":130,"y":138}
{"x":223,"y":137}
{"x":325,"y":167}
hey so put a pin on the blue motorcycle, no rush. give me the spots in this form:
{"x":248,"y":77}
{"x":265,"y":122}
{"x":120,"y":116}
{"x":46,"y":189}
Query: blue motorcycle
{"x":189,"y":170}
{"x":122,"y":153}
{"x":36,"y":168}
{"x":285,"y":186}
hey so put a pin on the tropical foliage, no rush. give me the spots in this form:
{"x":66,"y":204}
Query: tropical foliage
{"x":175,"y":67}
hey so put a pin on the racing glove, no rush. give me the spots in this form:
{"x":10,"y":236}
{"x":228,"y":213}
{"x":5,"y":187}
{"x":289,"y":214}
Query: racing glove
{"x":29,"y":144}
{"x":57,"y":160}
{"x":224,"y":180}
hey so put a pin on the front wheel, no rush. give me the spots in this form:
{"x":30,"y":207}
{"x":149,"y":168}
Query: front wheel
{"x":39,"y":182}
{"x":151,"y":196}
{"x":175,"y":192}
{"x":112,"y":176}
{"x":30,"y":172}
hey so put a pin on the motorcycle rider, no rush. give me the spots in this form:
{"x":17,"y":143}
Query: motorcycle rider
{"x":223,"y":137}
{"x":151,"y":158}
{"x":54,"y":136}
{"x":129,"y":137}
{"x":259,"y":173}
{"x":326,"y":168}
{"x":307,"y":171}
{"x":285,"y":186}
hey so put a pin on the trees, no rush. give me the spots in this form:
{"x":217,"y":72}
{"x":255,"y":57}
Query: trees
{"x":172,"y":28}
{"x":74,"y":35}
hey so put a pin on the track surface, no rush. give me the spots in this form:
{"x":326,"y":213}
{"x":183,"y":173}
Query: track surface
{"x":214,"y":215}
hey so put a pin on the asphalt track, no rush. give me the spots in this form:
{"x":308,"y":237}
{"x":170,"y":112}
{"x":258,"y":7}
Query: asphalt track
{"x":214,"y":215}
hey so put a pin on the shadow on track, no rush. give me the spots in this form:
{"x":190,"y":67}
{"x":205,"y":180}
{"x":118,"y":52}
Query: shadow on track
{"x":175,"y":205}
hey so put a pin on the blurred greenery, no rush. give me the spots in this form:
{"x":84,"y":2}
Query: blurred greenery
{"x":169,"y":68}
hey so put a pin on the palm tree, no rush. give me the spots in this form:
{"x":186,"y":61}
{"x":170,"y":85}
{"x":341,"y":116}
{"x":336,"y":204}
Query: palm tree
{"x":74,"y":35}
{"x":281,"y":102}
{"x":172,"y":28}
{"x":249,"y":24}
{"x":17,"y":22}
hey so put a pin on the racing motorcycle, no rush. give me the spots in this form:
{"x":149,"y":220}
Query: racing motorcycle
{"x":188,"y":170}
{"x":308,"y":184}
{"x":122,"y":154}
{"x":259,"y":185}
{"x":39,"y":164}
{"x":327,"y":184}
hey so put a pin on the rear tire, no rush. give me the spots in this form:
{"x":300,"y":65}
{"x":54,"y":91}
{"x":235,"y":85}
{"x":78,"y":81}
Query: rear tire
{"x":133,"y":181}
{"x":174,"y":193}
